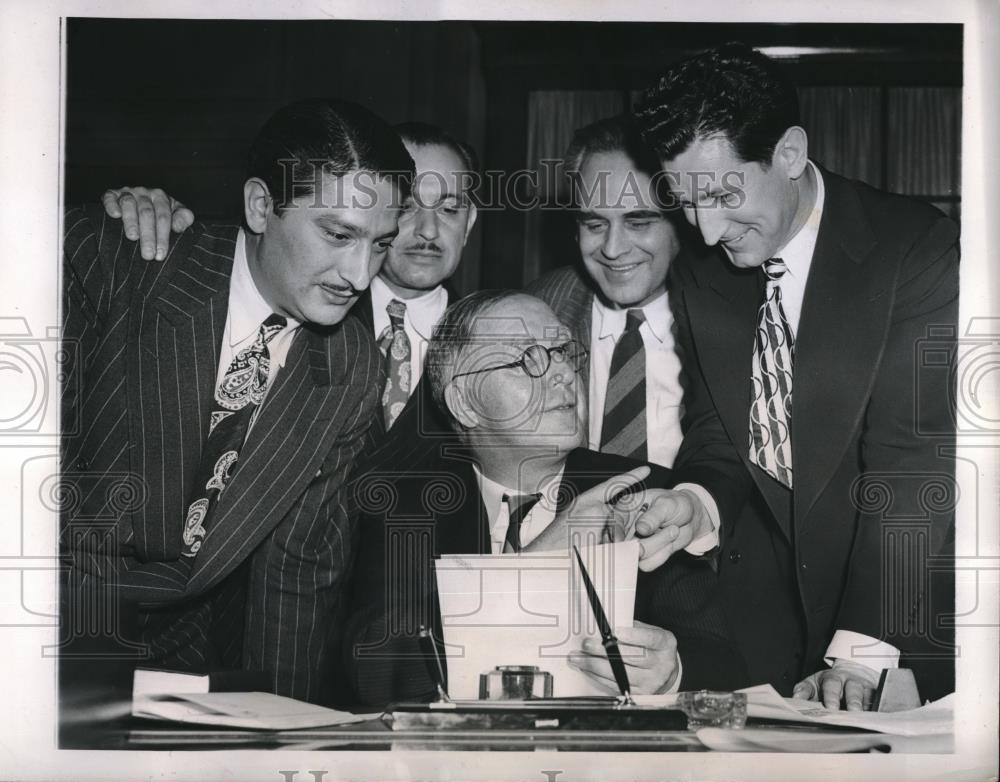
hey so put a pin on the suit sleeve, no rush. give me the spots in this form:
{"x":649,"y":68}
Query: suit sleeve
{"x":908,"y":463}
{"x":298,"y":574}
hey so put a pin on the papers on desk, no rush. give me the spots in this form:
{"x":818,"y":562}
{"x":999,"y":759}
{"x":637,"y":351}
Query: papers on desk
{"x":529,"y":609}
{"x":254,"y":710}
{"x":764,"y":702}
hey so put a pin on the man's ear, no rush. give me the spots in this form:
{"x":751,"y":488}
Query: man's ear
{"x":459,"y":407}
{"x":471,"y":221}
{"x":792,"y":152}
{"x":257,"y":204}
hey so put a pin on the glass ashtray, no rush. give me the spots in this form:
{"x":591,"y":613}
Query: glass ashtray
{"x":710,"y":709}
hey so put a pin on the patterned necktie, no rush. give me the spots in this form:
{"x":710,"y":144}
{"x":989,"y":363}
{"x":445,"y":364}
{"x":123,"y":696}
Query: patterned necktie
{"x":771,"y":389}
{"x":237,"y":398}
{"x":395,"y":347}
{"x":624,"y":429}
{"x":518,"y":507}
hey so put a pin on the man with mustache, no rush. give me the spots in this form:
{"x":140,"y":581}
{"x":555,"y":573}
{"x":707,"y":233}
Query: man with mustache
{"x":227,"y":385}
{"x":410,"y":292}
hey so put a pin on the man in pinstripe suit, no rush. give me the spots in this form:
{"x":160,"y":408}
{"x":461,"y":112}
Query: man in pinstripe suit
{"x":252,"y":583}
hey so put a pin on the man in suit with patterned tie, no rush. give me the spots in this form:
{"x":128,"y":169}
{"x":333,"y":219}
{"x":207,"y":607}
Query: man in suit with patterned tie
{"x":506,"y":473}
{"x":410,"y":293}
{"x":617,"y":302}
{"x":806,"y":380}
{"x":226,"y":384}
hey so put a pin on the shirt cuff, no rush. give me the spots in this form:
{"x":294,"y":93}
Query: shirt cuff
{"x":710,"y":539}
{"x":861,"y":649}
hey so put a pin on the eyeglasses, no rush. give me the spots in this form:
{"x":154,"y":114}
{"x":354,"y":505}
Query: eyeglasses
{"x":535,"y":361}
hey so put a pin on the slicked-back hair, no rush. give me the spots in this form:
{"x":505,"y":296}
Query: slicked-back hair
{"x":454,"y":331}
{"x":616,"y":134}
{"x":423,"y":134}
{"x":732,"y":90}
{"x":304,"y":139}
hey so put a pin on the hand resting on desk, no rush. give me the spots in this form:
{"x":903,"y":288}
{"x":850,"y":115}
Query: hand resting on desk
{"x":650,"y":655}
{"x":846,"y":681}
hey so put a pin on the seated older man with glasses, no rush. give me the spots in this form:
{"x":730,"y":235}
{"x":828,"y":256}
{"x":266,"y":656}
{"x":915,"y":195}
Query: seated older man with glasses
{"x":508,"y":473}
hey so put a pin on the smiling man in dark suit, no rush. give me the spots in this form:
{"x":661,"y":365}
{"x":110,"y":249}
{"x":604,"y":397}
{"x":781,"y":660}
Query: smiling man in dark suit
{"x":506,"y":473}
{"x":806,"y":380}
{"x":228,"y":384}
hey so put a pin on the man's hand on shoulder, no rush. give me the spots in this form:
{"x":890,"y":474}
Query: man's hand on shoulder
{"x":148,"y":215}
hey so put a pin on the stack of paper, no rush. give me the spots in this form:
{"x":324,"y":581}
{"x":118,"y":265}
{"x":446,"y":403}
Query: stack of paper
{"x":530,"y":609}
{"x":255,"y":710}
{"x":764,"y":702}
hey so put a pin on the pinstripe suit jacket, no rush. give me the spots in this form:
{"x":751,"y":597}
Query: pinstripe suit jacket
{"x":147,"y":336}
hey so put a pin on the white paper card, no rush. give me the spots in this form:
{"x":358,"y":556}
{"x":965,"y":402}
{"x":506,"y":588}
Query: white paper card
{"x":530,"y":609}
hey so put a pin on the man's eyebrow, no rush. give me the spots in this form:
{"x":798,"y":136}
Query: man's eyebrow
{"x":585,"y":214}
{"x":642,"y":214}
{"x":330,"y":222}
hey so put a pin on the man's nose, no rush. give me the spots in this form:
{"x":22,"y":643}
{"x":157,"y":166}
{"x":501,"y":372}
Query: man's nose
{"x":360,"y":265}
{"x":427,"y":227}
{"x":615,"y":242}
{"x":711,"y":223}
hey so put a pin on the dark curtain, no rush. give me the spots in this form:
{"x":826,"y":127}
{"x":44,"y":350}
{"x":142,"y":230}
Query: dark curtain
{"x":553,"y":115}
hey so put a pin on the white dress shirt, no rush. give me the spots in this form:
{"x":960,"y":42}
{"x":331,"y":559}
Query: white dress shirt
{"x":247,"y":311}
{"x":798,"y":255}
{"x":538,"y":518}
{"x":664,"y":395}
{"x":422,"y":315}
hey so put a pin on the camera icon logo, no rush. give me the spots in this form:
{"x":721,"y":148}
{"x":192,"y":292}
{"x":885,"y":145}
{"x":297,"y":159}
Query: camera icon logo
{"x":965,"y":367}
{"x":33,"y":369}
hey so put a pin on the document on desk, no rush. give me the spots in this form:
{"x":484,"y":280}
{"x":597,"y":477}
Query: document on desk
{"x":530,"y":609}
{"x":764,"y":702}
{"x":254,"y":710}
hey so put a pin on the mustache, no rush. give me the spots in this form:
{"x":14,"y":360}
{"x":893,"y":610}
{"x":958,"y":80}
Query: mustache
{"x":423,"y":247}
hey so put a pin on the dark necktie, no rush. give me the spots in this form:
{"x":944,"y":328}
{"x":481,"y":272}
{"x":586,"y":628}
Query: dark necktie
{"x":237,"y":399}
{"x":771,"y":387}
{"x":518,"y":507}
{"x":395,"y":347}
{"x":624,"y":429}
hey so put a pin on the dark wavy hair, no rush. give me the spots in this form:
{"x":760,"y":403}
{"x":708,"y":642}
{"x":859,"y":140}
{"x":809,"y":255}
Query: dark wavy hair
{"x":323,"y":135}
{"x":423,"y":134}
{"x":732,"y":90}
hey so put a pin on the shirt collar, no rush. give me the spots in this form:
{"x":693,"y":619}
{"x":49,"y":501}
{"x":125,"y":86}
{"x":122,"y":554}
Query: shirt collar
{"x":422,"y":312}
{"x":247,"y":308}
{"x":611,"y":322}
{"x":797,"y":253}
{"x":493,"y":492}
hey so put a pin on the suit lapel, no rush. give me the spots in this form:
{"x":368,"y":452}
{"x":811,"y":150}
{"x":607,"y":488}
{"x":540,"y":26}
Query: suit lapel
{"x":283,"y":452}
{"x":180,"y":329}
{"x":466,"y":528}
{"x":845,"y":314}
{"x":722,"y":314}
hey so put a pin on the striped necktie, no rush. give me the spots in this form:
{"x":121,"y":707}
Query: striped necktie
{"x":771,"y":387}
{"x":395,"y":347}
{"x":518,"y":507}
{"x":624,"y":429}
